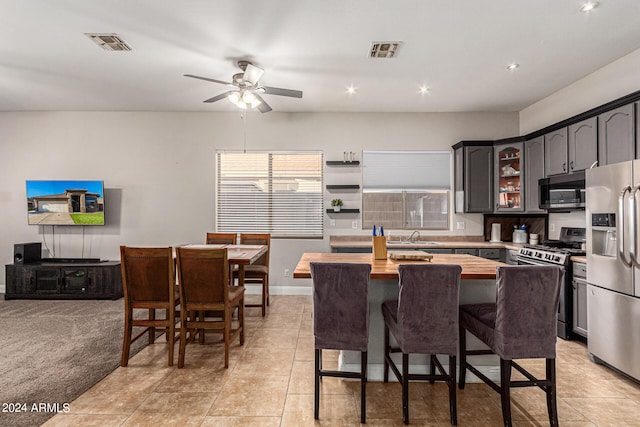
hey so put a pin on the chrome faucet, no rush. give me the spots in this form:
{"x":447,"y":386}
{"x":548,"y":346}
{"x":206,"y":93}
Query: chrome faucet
{"x":412,"y":236}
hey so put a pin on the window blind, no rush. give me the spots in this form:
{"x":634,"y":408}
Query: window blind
{"x":270,"y":192}
{"x":406,"y":170}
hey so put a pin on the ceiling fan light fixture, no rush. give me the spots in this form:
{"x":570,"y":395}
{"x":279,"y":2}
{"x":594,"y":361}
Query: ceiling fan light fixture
{"x":248,"y":97}
{"x":234,"y":98}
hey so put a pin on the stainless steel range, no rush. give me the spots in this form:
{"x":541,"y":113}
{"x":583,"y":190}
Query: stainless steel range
{"x":558,"y":252}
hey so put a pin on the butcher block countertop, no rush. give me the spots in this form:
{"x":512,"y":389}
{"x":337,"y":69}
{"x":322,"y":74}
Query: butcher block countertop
{"x":472,"y":267}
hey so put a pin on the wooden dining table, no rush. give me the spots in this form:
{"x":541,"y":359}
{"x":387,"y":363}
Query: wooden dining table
{"x":240,"y":255}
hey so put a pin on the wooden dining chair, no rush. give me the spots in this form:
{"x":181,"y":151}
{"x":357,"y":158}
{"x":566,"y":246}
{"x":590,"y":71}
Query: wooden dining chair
{"x":148,"y":281}
{"x":222,"y":238}
{"x":258,"y":272}
{"x":207,"y":301}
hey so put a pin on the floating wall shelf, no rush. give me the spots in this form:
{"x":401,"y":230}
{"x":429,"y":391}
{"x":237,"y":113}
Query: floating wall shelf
{"x":343,"y":187}
{"x":343,"y":211}
{"x":342,"y":163}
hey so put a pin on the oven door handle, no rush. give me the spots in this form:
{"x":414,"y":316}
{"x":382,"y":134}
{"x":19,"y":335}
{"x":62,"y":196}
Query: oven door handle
{"x":621,"y":227}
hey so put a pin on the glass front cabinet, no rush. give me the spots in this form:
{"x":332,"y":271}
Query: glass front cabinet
{"x":509,"y":182}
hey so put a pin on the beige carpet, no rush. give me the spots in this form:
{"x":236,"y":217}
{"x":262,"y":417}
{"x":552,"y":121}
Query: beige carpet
{"x":53,"y":351}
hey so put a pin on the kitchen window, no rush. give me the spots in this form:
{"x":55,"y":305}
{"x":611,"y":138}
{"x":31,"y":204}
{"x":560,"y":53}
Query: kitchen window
{"x":270,"y":192}
{"x":406,"y":189}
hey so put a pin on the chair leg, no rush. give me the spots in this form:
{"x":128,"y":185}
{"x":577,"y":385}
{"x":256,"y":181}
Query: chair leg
{"x":171,"y":334}
{"x":552,"y":406}
{"x":241,"y":320}
{"x":405,"y":387}
{"x":463,"y":358}
{"x":432,"y":366}
{"x":316,"y":393}
{"x":452,"y":390}
{"x":152,"y":330}
{"x":387,"y":353}
{"x":126,"y":340}
{"x":264,"y":296}
{"x":227,"y":335}
{"x":183,"y":340}
{"x":363,"y":387}
{"x":505,"y":395}
{"x":266,"y":286}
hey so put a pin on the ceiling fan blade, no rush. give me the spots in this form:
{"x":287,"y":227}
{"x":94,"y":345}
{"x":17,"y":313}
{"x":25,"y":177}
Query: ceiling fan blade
{"x":208,"y":79}
{"x":252,"y":74}
{"x":219,"y":97}
{"x":282,"y":92}
{"x":263,"y":106}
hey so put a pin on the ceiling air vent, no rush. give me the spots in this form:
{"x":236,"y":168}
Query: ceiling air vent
{"x":384,"y":49}
{"x":110,"y":42}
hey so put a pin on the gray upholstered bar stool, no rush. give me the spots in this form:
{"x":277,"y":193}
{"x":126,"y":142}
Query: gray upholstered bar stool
{"x":341,"y":320}
{"x":520,"y":325}
{"x":424,"y":320}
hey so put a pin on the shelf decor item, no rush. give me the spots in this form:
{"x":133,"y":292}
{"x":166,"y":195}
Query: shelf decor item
{"x":337,"y":204}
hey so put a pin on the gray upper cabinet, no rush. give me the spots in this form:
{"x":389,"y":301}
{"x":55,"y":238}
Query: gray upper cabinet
{"x":583,"y":144}
{"x":473,"y":176}
{"x":616,"y":135}
{"x":556,"y":152}
{"x":534,"y":165}
{"x":510,"y":172}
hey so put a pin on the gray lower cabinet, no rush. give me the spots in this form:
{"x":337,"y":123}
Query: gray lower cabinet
{"x":534,"y":166}
{"x":556,"y":152}
{"x":64,"y":281}
{"x":579,"y":284}
{"x":616,"y":135}
{"x":583,"y":144}
{"x":473,"y":175}
{"x":495,"y":254}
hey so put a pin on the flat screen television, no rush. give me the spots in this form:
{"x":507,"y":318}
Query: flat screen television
{"x":65,"y":202}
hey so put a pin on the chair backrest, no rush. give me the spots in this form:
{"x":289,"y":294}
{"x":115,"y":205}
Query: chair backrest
{"x":526,"y":311}
{"x":341,"y":305}
{"x":203,"y":275}
{"x":258,"y":239}
{"x":428,"y":308}
{"x":148,"y":274}
{"x":222,"y":238}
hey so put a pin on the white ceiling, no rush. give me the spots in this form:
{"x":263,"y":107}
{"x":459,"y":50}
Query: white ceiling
{"x":458,"y":48}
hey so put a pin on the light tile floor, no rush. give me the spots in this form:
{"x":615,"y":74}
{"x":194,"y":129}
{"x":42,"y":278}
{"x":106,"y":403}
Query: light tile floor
{"x":270,"y":383}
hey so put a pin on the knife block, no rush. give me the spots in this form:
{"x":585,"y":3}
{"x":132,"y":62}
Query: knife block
{"x":379,"y":247}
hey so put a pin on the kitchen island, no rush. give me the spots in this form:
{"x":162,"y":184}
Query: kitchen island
{"x":477,"y":284}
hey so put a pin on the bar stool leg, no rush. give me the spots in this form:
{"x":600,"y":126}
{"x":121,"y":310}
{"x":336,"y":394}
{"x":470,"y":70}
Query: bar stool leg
{"x":316,"y":397}
{"x":387,"y":353}
{"x":550,"y":390}
{"x":505,"y":395}
{"x":363,"y":387}
{"x":463,"y":358}
{"x":405,"y":387}
{"x":452,"y":391}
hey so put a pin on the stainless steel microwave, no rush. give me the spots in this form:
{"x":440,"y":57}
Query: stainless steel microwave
{"x":562,"y":193}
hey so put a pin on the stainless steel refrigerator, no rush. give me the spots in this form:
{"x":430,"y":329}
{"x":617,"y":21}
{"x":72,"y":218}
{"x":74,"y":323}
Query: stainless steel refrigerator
{"x":613,"y":265}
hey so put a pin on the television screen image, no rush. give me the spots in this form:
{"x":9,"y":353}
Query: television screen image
{"x":65,"y":202}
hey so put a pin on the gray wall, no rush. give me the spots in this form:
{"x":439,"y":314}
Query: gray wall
{"x":159,"y":173}
{"x":613,"y":81}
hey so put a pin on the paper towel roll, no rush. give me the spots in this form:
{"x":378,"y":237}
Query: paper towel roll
{"x":496,"y":232}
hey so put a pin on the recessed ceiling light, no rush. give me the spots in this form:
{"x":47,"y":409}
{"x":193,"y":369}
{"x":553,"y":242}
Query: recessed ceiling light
{"x":424,"y":90}
{"x":513,"y":66}
{"x":351,"y":90}
{"x":588,"y":7}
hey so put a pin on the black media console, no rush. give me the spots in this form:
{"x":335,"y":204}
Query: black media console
{"x":64,"y":278}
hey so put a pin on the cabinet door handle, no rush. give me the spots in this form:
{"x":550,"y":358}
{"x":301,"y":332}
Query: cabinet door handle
{"x":564,"y":167}
{"x":571,"y":165}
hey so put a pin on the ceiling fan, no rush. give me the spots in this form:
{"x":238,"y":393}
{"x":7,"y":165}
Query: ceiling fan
{"x":246,"y":90}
